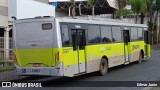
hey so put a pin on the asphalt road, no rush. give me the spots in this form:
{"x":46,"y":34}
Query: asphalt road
{"x":149,"y":70}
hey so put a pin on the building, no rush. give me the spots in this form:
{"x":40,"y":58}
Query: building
{"x":4,"y":29}
{"x":3,"y":13}
{"x":100,"y":7}
{"x":43,"y":1}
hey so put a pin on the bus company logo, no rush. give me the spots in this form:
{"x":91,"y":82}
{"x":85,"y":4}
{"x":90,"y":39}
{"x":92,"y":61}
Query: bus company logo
{"x":77,"y":26}
{"x":6,"y":84}
{"x":135,"y":47}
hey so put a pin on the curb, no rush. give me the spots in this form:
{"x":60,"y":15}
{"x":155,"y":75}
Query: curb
{"x":147,"y":88}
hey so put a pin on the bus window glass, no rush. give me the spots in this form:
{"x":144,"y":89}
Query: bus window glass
{"x":94,"y":34}
{"x":134,"y":34}
{"x":117,"y":36}
{"x":140,"y":34}
{"x":47,"y":26}
{"x":65,"y":35}
{"x":106,"y":36}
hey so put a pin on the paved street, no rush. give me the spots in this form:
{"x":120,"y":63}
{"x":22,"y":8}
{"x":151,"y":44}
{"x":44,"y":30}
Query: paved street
{"x":147,"y":71}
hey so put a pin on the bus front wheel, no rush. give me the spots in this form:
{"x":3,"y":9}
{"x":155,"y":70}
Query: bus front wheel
{"x":103,"y":68}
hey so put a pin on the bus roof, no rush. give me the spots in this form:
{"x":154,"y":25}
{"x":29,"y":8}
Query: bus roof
{"x":102,"y":22}
{"x":85,"y":21}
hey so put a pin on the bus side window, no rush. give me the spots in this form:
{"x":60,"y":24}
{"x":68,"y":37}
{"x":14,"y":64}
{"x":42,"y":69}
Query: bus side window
{"x":94,"y":34}
{"x":65,"y":35}
{"x":140,"y":34}
{"x":117,"y":35}
{"x":106,"y":36}
{"x":134,"y":34}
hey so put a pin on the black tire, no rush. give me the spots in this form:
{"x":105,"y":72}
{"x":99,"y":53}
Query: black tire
{"x":103,"y":67}
{"x":140,"y":58}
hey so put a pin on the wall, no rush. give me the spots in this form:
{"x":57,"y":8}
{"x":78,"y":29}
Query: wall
{"x":29,"y":9}
{"x":3,"y":13}
{"x":43,"y":1}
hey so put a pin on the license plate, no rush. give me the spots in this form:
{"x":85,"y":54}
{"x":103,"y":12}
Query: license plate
{"x":35,"y":71}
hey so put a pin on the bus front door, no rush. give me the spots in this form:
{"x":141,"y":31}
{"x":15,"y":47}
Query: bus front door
{"x":126,"y":37}
{"x":79,"y":42}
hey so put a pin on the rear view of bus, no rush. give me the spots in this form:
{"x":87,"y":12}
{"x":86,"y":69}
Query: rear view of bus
{"x":36,"y":47}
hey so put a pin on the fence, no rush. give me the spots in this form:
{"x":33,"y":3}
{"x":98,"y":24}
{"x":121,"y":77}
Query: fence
{"x":7,"y":72}
{"x":1,"y":42}
{"x":5,"y":54}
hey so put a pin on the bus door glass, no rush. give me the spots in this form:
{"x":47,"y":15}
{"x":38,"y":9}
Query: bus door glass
{"x":147,"y":46}
{"x":78,"y":42}
{"x":126,"y":37}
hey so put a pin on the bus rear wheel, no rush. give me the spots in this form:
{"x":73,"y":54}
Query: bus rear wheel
{"x":140,"y":58}
{"x":103,"y":68}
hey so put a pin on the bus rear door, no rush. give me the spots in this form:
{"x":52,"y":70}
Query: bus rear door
{"x":126,"y":37}
{"x":146,"y":45}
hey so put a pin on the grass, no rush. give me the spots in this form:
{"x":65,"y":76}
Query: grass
{"x":6,"y":65}
{"x":6,"y":68}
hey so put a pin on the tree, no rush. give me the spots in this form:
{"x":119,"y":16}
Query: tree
{"x":150,"y":9}
{"x":151,"y":26}
{"x":121,"y":3}
{"x":121,"y":11}
{"x":90,"y":3}
{"x":73,"y":7}
{"x":157,"y":19}
{"x":151,"y":22}
{"x":138,"y":7}
{"x":143,"y":11}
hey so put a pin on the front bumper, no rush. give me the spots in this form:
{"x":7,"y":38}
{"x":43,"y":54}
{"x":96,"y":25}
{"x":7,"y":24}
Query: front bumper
{"x":42,"y":71}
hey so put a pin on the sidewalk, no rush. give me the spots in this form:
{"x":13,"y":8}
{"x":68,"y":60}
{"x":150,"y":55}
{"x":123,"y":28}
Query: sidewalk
{"x":155,"y":47}
{"x":156,"y":88}
{"x":9,"y":76}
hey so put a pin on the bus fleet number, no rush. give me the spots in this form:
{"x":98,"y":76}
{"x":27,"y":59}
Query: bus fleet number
{"x":35,"y":70}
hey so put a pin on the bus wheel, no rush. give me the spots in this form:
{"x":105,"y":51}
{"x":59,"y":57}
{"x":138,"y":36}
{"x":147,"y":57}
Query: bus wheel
{"x":103,"y":68}
{"x":140,"y":58}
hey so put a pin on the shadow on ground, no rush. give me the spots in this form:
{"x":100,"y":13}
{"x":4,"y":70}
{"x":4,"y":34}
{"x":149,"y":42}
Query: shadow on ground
{"x":73,"y":81}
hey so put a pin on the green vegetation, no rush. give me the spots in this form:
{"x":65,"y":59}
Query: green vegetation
{"x":122,"y":12}
{"x":138,"y":7}
{"x":6,"y":65}
{"x":6,"y":68}
{"x":121,"y":9}
{"x":90,"y":3}
{"x":141,"y":9}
